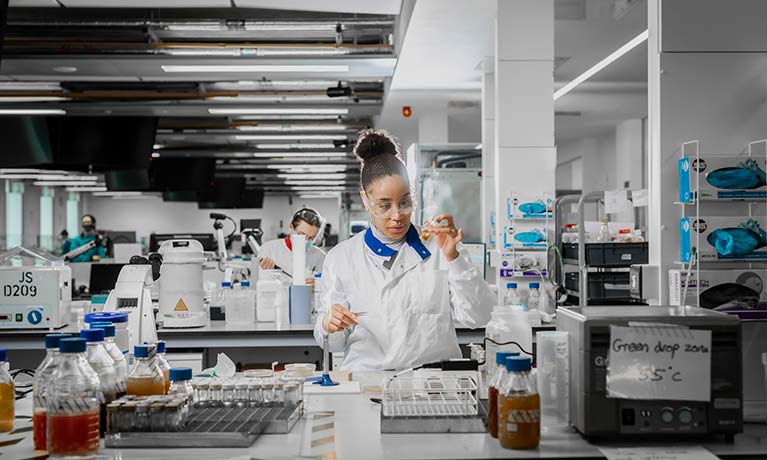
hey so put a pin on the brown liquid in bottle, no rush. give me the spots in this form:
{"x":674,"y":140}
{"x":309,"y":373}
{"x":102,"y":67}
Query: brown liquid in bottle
{"x":492,"y":411}
{"x":145,"y":386}
{"x":519,"y":421}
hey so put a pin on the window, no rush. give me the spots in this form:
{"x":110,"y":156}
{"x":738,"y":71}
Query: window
{"x":14,"y":192}
{"x":46,"y":218}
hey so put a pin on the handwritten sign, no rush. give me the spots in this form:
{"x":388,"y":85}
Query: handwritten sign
{"x":659,"y":362}
{"x":657,"y":453}
{"x":616,"y":201}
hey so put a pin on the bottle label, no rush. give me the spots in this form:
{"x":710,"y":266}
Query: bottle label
{"x":521,"y":417}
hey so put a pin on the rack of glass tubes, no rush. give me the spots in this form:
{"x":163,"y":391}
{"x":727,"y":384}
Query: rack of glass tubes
{"x":223,"y":413}
{"x":431,"y":404}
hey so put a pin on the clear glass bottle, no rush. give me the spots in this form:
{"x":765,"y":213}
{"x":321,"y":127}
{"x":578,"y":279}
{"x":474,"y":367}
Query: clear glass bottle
{"x":73,"y":403}
{"x":121,"y":364}
{"x":494,"y":388}
{"x":145,"y":378}
{"x":202,"y":393}
{"x":181,"y":383}
{"x":104,"y":366}
{"x":43,"y":380}
{"x":534,"y":298}
{"x":512,"y":296}
{"x":227,"y":393}
{"x":163,"y":363}
{"x":7,"y":395}
{"x":604,"y":232}
{"x":241,"y":392}
{"x":216,"y":398}
{"x":519,"y":407}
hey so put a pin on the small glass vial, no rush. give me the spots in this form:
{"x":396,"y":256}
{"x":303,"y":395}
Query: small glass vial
{"x":241,"y":393}
{"x":202,"y":391}
{"x":113,"y":411}
{"x":291,"y":394}
{"x":267,"y":393}
{"x":127,"y":419}
{"x":227,"y":393}
{"x":174,"y":416}
{"x":142,"y":416}
{"x":216,"y":398}
{"x":254,"y":393}
{"x":279,"y":393}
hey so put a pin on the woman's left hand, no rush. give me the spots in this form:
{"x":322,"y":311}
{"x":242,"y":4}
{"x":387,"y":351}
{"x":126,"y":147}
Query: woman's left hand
{"x":446,"y":236}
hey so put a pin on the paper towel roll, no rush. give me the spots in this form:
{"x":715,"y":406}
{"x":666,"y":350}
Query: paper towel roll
{"x":299,"y":259}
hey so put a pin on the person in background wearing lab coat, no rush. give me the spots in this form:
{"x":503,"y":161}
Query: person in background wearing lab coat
{"x":278,"y":253}
{"x":392,"y":295}
{"x":88,"y":234}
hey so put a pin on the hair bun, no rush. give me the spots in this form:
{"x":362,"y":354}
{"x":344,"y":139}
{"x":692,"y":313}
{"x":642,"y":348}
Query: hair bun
{"x":374,"y":142}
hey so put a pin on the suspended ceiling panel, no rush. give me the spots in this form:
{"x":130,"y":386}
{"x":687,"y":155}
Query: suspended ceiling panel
{"x":32,"y":3}
{"x":334,"y":6}
{"x":146,"y":3}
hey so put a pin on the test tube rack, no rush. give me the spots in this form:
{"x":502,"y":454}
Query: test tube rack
{"x":434,"y":404}
{"x":216,"y":427}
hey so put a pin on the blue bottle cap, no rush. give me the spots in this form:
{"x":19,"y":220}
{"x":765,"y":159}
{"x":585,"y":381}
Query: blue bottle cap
{"x":160,"y":344}
{"x":92,"y":335}
{"x":534,"y":285}
{"x":226,"y":284}
{"x":180,"y":373}
{"x":500,"y":357}
{"x":111,"y":316}
{"x":245,"y":284}
{"x":52,"y":340}
{"x":141,"y":351}
{"x":518,"y":363}
{"x":318,"y":275}
{"x":511,"y":285}
{"x":109,"y":328}
{"x":3,"y":355}
{"x":72,"y":345}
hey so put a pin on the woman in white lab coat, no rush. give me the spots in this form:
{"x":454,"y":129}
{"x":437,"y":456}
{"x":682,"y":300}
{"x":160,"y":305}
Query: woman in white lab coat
{"x":279,"y":253}
{"x":393,"y":295}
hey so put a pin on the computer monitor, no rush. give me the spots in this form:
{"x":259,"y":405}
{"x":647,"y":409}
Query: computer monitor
{"x":207,"y":240}
{"x":103,"y":277}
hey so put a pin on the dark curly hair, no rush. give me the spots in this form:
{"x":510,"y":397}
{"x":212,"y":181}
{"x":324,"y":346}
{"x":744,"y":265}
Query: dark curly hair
{"x":380,"y":156}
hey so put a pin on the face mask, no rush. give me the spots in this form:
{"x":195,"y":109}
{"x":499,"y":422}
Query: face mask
{"x":87,"y":227}
{"x":308,"y":245}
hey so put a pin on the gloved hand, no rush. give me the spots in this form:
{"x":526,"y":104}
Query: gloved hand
{"x":266,"y":263}
{"x":338,"y":318}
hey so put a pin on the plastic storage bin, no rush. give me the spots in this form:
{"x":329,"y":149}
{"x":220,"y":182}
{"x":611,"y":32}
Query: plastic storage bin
{"x":602,"y":286}
{"x":609,"y":254}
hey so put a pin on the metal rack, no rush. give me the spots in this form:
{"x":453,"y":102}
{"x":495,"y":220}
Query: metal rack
{"x":625,"y":254}
{"x":430,"y":404}
{"x":216,"y":427}
{"x":692,"y":209}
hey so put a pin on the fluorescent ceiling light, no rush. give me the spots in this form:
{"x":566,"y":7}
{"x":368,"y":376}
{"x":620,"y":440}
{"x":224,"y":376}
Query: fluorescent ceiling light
{"x":32,"y":98}
{"x":50,"y":178}
{"x":319,"y":195}
{"x":312,"y":176}
{"x":256,"y":26}
{"x":288,"y":137}
{"x":279,"y":111}
{"x":295,"y":146}
{"x":33,"y":112}
{"x":615,"y":55}
{"x":308,"y":167}
{"x":63,"y":183}
{"x":87,"y":189}
{"x":288,"y":117}
{"x":115,"y":194}
{"x":297,"y":154}
{"x":313,"y":188}
{"x":315,"y":182}
{"x":295,"y":128}
{"x":256,"y":68}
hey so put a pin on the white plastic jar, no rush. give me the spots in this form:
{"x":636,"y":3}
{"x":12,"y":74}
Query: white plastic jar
{"x":508,"y":323}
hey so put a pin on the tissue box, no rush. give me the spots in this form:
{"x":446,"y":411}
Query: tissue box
{"x":723,"y":178}
{"x":724,"y":238}
{"x":728,"y":290}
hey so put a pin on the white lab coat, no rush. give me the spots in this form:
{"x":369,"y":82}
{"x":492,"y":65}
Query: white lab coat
{"x":278,"y":251}
{"x":412,"y":309}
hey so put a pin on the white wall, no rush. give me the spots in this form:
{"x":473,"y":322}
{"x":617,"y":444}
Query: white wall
{"x":597,"y":164}
{"x":146,"y":216}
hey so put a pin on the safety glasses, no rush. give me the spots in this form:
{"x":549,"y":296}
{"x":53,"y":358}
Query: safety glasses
{"x":386,"y":208}
{"x":309,"y":216}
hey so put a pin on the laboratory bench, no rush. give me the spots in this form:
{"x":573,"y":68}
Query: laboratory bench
{"x":356,"y":435}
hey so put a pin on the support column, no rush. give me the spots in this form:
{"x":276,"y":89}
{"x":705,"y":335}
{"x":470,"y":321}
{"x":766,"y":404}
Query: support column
{"x":525,"y":155}
{"x":488,"y":149}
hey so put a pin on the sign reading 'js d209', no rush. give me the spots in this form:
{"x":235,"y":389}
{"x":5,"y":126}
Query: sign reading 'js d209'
{"x":659,"y":361}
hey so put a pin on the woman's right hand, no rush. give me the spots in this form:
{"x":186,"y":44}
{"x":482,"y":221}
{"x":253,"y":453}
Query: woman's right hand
{"x":266,"y":263}
{"x":338,"y":318}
